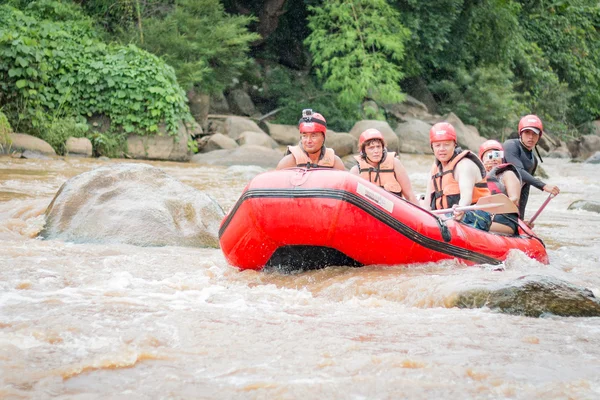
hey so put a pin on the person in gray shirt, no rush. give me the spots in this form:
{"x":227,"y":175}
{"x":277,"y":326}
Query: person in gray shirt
{"x":519,"y":152}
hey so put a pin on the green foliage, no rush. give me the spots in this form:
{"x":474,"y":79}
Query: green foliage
{"x":568,"y":33}
{"x":51,"y":69}
{"x":484,"y":98}
{"x":109,"y":145}
{"x":5,"y":131}
{"x":541,"y":90}
{"x":295,"y":91}
{"x":57,"y":131}
{"x":206,"y":46}
{"x":357,"y":47}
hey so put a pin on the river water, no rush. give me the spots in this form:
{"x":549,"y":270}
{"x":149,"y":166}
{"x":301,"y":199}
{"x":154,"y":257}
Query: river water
{"x":86,"y":321}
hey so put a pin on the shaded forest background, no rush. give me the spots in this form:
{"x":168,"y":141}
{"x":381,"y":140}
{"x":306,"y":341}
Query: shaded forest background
{"x":64,"y":63}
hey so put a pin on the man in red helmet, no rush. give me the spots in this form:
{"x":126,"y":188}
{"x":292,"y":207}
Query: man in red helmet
{"x":380,"y":166}
{"x":457,"y":178}
{"x":501,"y":178}
{"x":519,"y":152}
{"x":311,"y":151}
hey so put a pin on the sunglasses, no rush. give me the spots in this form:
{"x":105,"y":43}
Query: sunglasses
{"x":494,"y":155}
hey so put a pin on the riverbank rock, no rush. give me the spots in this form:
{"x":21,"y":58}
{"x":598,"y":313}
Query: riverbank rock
{"x":414,"y":137}
{"x":586,"y":205}
{"x":21,"y":142}
{"x":584,"y":147}
{"x":235,"y":126}
{"x":534,"y":296}
{"x":467,"y":135}
{"x":160,"y":147}
{"x":135,"y":204}
{"x":593,"y":159}
{"x":243,"y":155}
{"x":79,"y":147}
{"x":342,"y":143}
{"x":287,"y":135}
{"x":256,"y":139}
{"x":218,"y":141}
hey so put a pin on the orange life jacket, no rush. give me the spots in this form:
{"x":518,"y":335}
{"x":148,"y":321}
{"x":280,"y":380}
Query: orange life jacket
{"x":382,"y":175}
{"x":326,"y":159}
{"x":446,"y":191}
{"x":494,"y":178}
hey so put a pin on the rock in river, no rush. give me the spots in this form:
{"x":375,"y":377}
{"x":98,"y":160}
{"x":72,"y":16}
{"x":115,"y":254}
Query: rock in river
{"x":135,"y":204}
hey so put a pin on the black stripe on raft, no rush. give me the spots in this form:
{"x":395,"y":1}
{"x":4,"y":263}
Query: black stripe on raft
{"x":369,"y":208}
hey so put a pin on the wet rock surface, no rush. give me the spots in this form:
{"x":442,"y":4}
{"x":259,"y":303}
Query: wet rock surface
{"x":587,"y":205}
{"x":134,"y":204}
{"x":533,"y":296}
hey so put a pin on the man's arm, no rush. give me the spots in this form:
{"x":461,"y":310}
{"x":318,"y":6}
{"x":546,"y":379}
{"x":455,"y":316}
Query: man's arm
{"x":287,"y":162}
{"x":512,"y":154}
{"x":513,"y":186}
{"x":426,"y":202}
{"x":339,"y":164}
{"x":404,"y":181}
{"x":466,"y":174}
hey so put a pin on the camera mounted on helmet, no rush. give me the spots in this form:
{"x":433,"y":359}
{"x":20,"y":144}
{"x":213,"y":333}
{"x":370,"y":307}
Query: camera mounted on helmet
{"x":312,"y":122}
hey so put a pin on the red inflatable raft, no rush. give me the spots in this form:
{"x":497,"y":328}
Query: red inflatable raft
{"x":306,"y":219}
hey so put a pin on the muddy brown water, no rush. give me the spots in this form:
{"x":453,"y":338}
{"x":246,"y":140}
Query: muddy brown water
{"x":82,"y":321}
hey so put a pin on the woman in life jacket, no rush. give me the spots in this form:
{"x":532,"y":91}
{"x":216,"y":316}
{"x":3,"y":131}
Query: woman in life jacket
{"x":311,"y":151}
{"x":381,"y":167}
{"x":457,"y":178}
{"x":501,"y":178}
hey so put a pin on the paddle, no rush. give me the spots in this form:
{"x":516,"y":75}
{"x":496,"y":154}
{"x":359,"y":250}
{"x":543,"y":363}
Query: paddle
{"x":496,"y":203}
{"x":538,"y":212}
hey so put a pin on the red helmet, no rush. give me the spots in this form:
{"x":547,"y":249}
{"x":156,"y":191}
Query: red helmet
{"x":367,"y":135}
{"x":489,"y":145}
{"x":442,"y":131}
{"x":312,"y":122}
{"x":531,"y":122}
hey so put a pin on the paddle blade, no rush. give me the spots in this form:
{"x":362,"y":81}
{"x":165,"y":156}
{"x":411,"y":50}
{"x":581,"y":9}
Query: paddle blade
{"x":506,"y":205}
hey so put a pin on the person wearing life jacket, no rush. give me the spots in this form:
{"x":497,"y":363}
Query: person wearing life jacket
{"x":519,"y":152}
{"x":501,"y":178}
{"x":457,"y":178}
{"x":311,"y":151}
{"x":380,"y":166}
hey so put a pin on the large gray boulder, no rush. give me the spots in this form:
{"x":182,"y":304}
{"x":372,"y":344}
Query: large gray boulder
{"x":161,"y":146}
{"x":593,"y":159}
{"x":393,"y":144}
{"x":414,"y":137}
{"x":79,"y":147}
{"x":218,"y":141}
{"x":467,"y":136}
{"x":234,"y":126}
{"x":135,"y":204}
{"x":240,"y":103}
{"x":22,"y":142}
{"x":243,"y":155}
{"x":533,"y":296}
{"x":587,"y":205}
{"x":284,"y":134}
{"x":584,"y":147}
{"x":256,"y":139}
{"x":342,"y":143}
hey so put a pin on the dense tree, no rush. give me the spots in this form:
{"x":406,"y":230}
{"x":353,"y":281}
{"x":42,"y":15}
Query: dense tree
{"x":357,"y":48}
{"x":206,"y":46}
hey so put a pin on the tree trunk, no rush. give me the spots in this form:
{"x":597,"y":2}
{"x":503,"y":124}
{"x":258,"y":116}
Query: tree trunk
{"x":199,"y":104}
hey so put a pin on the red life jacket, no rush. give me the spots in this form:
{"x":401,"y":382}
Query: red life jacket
{"x":494,"y":178}
{"x":383,"y":175}
{"x":446,"y":191}
{"x":326,"y":159}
